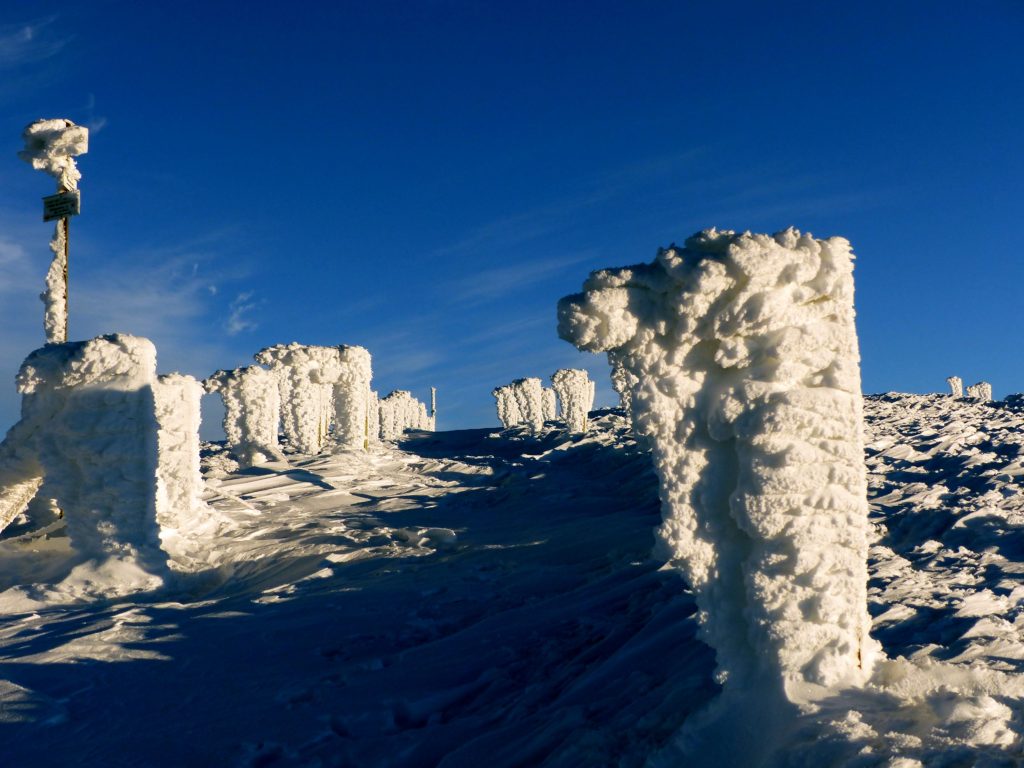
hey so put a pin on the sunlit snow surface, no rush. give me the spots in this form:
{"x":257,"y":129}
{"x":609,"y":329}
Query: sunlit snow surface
{"x":487,"y":598}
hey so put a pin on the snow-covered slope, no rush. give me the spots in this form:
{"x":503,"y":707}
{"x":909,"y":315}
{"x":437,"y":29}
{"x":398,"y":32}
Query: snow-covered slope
{"x":488,"y":598}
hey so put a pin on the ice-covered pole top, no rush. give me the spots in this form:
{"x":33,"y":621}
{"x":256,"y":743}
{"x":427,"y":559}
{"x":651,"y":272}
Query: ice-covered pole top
{"x":52,"y":146}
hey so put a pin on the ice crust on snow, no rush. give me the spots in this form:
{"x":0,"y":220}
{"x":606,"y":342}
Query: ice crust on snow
{"x":252,"y":412}
{"x":746,"y":356}
{"x":352,"y":398}
{"x":980,"y":391}
{"x":956,"y":386}
{"x":575,"y":392}
{"x":89,"y":422}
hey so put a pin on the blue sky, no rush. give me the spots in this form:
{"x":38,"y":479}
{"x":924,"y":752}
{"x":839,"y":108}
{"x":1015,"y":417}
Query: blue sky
{"x":427,"y":179}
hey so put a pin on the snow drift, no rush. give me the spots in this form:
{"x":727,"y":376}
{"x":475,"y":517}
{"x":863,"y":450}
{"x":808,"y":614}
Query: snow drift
{"x":748,"y":388}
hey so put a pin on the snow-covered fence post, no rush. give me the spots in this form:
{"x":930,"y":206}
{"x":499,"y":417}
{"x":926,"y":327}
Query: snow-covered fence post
{"x":956,"y":386}
{"x":51,"y":146}
{"x":746,"y":356}
{"x":252,"y":412}
{"x":980,"y":391}
{"x":89,"y":421}
{"x":575,"y":391}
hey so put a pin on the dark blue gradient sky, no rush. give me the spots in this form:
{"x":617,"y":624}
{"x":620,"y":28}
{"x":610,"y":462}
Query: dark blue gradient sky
{"x":427,"y":179}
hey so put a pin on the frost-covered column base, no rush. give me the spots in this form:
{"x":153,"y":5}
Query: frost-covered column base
{"x":575,"y":391}
{"x":980,"y":391}
{"x":748,"y":389}
{"x":88,"y":418}
{"x":956,"y":386}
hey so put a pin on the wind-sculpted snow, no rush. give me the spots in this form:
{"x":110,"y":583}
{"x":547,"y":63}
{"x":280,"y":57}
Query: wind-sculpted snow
{"x":746,"y":358}
{"x":486,"y":597}
{"x":575,"y":392}
{"x":956,"y":386}
{"x":252,"y":412}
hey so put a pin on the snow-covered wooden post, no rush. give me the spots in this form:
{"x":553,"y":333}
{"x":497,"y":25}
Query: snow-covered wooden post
{"x":956,"y":386}
{"x":51,"y":146}
{"x":352,"y":399}
{"x":748,"y":389}
{"x":433,"y":409}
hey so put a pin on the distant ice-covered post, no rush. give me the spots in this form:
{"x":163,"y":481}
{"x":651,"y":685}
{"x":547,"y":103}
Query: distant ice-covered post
{"x":956,"y":386}
{"x":305,"y":377}
{"x":980,"y":391}
{"x":52,"y":146}
{"x":575,"y":391}
{"x":748,"y":389}
{"x":549,"y":404}
{"x":623,"y":382}
{"x":433,"y":409}
{"x":529,"y":398}
{"x":508,"y":409}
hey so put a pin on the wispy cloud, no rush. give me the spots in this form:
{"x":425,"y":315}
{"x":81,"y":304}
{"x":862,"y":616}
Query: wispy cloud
{"x":497,"y":282}
{"x":28,"y":43}
{"x":238,"y":317}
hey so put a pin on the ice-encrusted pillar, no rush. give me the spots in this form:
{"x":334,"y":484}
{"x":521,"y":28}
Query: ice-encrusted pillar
{"x":529,"y":398}
{"x":508,"y":408}
{"x":251,"y":412}
{"x":956,"y":386}
{"x":575,"y":392}
{"x":980,"y":391}
{"x":305,"y":377}
{"x":89,"y":421}
{"x":549,"y":404}
{"x":352,"y":398}
{"x":623,"y":382}
{"x":179,"y":481}
{"x":745,"y":352}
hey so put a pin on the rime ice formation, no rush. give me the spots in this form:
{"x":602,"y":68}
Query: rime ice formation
{"x":89,"y":425}
{"x":305,"y":378}
{"x":624,"y":382}
{"x":51,"y":146}
{"x":956,"y":386}
{"x":529,"y":397}
{"x":432,"y":426}
{"x":748,"y":389}
{"x":509,"y":413}
{"x":980,"y":391}
{"x":400,"y":411}
{"x":251,"y":412}
{"x":549,"y":404}
{"x":575,"y":392}
{"x":179,"y":483}
{"x":352,"y":398}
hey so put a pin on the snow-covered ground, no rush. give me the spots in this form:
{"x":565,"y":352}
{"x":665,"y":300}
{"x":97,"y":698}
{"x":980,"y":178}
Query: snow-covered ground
{"x":488,"y":598}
